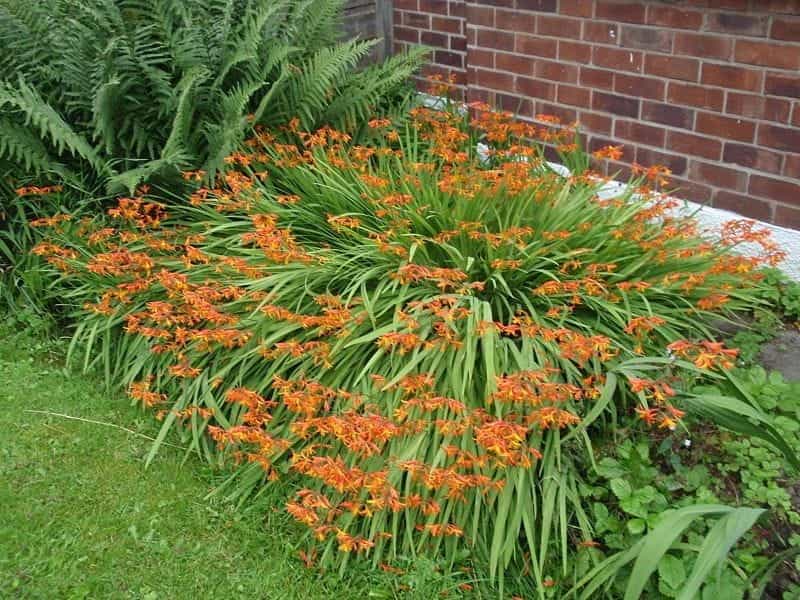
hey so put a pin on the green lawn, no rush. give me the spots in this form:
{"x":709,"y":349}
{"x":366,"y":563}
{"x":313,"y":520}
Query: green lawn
{"x":82,"y":518}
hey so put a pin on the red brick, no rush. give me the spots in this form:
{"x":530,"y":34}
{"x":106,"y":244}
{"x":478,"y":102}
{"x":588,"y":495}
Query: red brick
{"x":574,"y":52}
{"x":458,"y":42}
{"x":567,"y":115}
{"x":536,"y":46}
{"x":666,"y":114}
{"x":493,"y":38}
{"x":555,"y":71}
{"x":597,"y":78}
{"x":703,"y":46}
{"x":447,"y":24}
{"x":718,"y":176}
{"x":536,"y":88}
{"x":728,"y":4}
{"x":477,"y":57}
{"x":576,"y":8}
{"x":672,"y":67}
{"x":696,"y":95}
{"x":451,"y":59}
{"x":457,"y":9}
{"x":775,"y":189}
{"x":758,"y":107}
{"x":629,"y":12}
{"x":406,"y":4}
{"x":667,"y":16}
{"x":433,"y":38}
{"x":767,"y":54}
{"x":796,"y":115}
{"x":540,"y":5}
{"x":601,"y":33}
{"x":695,"y":145}
{"x":782,"y":85}
{"x":779,"y":6}
{"x":481,"y":16}
{"x":514,"y":20}
{"x":791,"y":168}
{"x":434,"y":6}
{"x":574,"y":95}
{"x":785,"y":29}
{"x":559,"y":27}
{"x":646,"y":38}
{"x":418,"y":20}
{"x":691,"y":190}
{"x":643,"y":87}
{"x":725,"y":127}
{"x":732,"y":77}
{"x":737,"y":24}
{"x":514,"y":63}
{"x":514,"y":104}
{"x":597,"y":122}
{"x":494,"y":80}
{"x":478,"y":95}
{"x":639,"y":132}
{"x":615,"y":58}
{"x":404,"y":34}
{"x":746,"y":206}
{"x":649,"y":157}
{"x":753,"y":157}
{"x":787,"y":216}
{"x":782,"y":138}
{"x":616,"y":105}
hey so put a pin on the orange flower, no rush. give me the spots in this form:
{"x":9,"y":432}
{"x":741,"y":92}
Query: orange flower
{"x":608,"y":153}
{"x":34,"y":190}
{"x":184,"y":369}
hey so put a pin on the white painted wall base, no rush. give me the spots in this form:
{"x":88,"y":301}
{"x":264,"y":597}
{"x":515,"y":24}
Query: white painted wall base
{"x":712,"y":218}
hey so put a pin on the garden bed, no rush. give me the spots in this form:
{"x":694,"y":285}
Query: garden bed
{"x":504,"y":322}
{"x":408,"y":332}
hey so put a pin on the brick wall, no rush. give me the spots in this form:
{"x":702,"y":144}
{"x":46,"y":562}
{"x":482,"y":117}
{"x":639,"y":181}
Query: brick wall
{"x":710,"y":88}
{"x":440,"y":25}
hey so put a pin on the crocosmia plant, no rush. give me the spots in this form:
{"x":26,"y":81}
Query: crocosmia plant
{"x":417,"y":340}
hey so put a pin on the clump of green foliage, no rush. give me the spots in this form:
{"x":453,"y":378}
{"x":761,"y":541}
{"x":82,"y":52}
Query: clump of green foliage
{"x":636,"y":481}
{"x":127,"y":91}
{"x":426,"y":343}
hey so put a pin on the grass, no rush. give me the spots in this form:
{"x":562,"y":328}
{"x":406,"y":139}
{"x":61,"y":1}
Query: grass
{"x":82,"y":518}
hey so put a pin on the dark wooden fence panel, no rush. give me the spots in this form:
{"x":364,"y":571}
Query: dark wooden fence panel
{"x":369,"y":19}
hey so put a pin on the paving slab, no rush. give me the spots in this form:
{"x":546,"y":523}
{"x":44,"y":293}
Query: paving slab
{"x":783,"y":354}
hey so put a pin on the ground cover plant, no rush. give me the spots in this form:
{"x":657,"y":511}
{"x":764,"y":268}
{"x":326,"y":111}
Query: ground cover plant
{"x":117,"y":92}
{"x":425,"y":343}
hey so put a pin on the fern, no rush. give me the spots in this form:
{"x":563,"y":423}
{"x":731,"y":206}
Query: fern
{"x":126,"y":90}
{"x":19,"y":144}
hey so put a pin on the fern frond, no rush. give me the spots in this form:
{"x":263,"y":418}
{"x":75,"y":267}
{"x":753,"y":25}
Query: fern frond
{"x":359,"y":97}
{"x":21,"y":146}
{"x":226,"y":135}
{"x":108,"y":96}
{"x":48,"y":122}
{"x":178,"y":141}
{"x":312,"y":89}
{"x":141,"y":86}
